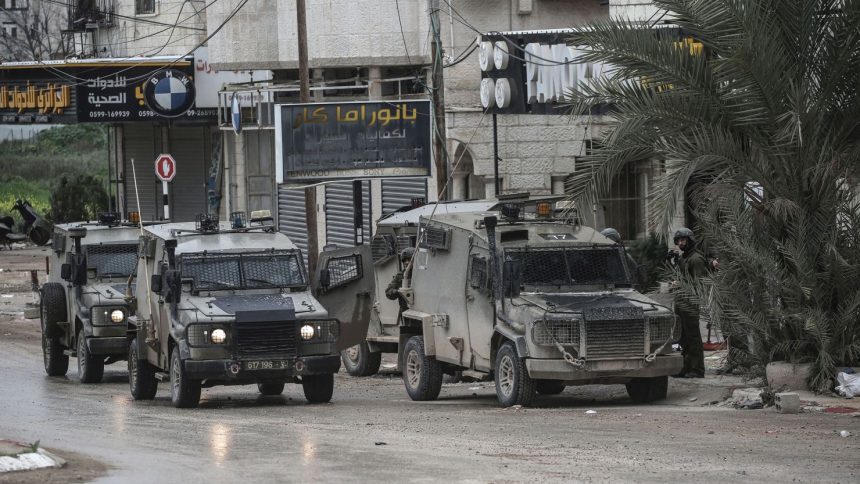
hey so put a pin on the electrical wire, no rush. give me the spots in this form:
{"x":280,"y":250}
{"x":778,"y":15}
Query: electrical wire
{"x":402,"y":34}
{"x":461,"y":58}
{"x":133,"y":19}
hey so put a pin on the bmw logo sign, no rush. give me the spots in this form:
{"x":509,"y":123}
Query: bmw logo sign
{"x":169,"y":93}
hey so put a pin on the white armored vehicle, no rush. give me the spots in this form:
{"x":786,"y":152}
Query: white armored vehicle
{"x":83,"y":309}
{"x":228,"y":304}
{"x":534,"y":299}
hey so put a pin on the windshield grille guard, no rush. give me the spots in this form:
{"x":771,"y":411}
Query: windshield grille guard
{"x":241,"y":258}
{"x":571,"y":265}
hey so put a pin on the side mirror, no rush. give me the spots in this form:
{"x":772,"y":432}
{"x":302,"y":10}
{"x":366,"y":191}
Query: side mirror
{"x":174,"y":286}
{"x":79,"y":270}
{"x":325,"y":278}
{"x":155,"y":283}
{"x":66,"y":272}
{"x":513,"y":277}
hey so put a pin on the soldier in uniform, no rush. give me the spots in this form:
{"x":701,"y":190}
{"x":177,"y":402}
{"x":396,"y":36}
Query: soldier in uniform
{"x":692,"y":264}
{"x":393,"y":290}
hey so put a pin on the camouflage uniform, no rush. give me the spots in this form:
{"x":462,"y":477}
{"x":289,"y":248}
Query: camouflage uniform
{"x":392,"y":291}
{"x":692,"y":264}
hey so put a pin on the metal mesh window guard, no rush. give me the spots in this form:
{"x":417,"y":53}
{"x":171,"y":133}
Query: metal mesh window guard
{"x":118,"y":260}
{"x":382,"y":247}
{"x":405,"y":242}
{"x":242,"y":271}
{"x":343,"y":270}
{"x":558,"y":266}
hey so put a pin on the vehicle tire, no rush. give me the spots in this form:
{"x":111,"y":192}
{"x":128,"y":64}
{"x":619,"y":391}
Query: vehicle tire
{"x":645,"y":390}
{"x":549,"y":387}
{"x":91,"y":368}
{"x":141,"y":375}
{"x":318,"y":388}
{"x":39,"y":235}
{"x":422,"y":374}
{"x":514,"y":386}
{"x":360,"y":361}
{"x":53,"y":311}
{"x":271,"y":388}
{"x":184,"y":392}
{"x":453,"y":377}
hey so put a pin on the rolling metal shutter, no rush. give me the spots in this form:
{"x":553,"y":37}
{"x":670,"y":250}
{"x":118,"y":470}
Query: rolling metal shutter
{"x":339,"y":213}
{"x":291,"y":217}
{"x":139,"y":144}
{"x":399,"y":193}
{"x":188,"y":188}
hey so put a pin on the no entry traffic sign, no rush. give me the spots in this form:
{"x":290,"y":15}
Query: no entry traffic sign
{"x":165,"y":167}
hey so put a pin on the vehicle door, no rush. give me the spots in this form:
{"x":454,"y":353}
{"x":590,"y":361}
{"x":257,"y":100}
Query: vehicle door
{"x":344,"y":285}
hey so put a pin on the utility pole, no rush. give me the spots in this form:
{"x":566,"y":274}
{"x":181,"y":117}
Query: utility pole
{"x":305,"y":97}
{"x":438,"y":96}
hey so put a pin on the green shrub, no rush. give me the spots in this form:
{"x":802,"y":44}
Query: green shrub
{"x":79,"y":198}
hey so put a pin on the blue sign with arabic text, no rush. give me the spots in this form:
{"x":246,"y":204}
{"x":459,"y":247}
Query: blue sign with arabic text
{"x":375,"y":139}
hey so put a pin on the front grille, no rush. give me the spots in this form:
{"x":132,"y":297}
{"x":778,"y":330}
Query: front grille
{"x":547,"y":333}
{"x":661,"y":328}
{"x":267,"y":339}
{"x":615,"y":339}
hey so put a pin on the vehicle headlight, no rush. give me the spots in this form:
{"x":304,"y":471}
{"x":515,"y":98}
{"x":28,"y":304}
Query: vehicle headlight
{"x":307,"y":332}
{"x":117,"y":316}
{"x":219,"y":336}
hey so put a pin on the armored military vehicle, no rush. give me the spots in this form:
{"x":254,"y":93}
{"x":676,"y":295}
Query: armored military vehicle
{"x":228,"y":304}
{"x":83,"y":308}
{"x":525,"y":293}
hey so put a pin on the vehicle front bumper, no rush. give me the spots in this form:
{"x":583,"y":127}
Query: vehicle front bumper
{"x":232,"y":371}
{"x":112,"y":346}
{"x":604,"y":371}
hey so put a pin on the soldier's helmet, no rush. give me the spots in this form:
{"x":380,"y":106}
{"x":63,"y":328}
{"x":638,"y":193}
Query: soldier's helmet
{"x":611,"y":234}
{"x":684,"y":232}
{"x":406,"y":253}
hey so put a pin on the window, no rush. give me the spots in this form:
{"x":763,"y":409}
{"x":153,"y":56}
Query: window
{"x":10,"y":30}
{"x":478,"y":272}
{"x":144,"y":7}
{"x":343,"y":270}
{"x":382,"y":247}
{"x":625,"y":205}
{"x":212,"y":271}
{"x":15,"y":4}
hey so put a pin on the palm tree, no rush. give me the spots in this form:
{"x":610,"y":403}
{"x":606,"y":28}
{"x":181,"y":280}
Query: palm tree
{"x":753,"y":107}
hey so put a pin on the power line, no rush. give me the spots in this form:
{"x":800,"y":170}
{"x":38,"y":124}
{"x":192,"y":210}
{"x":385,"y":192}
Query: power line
{"x":402,"y":34}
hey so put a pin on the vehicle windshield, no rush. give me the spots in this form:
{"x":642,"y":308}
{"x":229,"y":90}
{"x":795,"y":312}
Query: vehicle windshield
{"x":212,"y":271}
{"x":112,"y":260}
{"x":567,"y":266}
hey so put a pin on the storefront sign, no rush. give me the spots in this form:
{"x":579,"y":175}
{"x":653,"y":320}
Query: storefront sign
{"x":115,"y":93}
{"x":351,"y":140}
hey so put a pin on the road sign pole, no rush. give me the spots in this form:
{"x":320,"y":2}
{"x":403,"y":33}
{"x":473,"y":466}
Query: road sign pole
{"x":166,"y":200}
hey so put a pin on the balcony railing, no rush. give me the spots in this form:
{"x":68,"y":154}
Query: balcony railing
{"x":91,"y":14}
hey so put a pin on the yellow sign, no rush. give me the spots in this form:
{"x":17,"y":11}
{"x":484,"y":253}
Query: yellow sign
{"x":382,"y":116}
{"x":52,"y":98}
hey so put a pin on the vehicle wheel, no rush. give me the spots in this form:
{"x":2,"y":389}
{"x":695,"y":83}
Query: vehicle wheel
{"x":39,"y":235}
{"x":514,"y":386}
{"x":645,"y":390}
{"x":53,"y":310}
{"x":360,"y":361}
{"x":454,"y":377}
{"x":141,"y":375}
{"x":549,"y":387}
{"x":318,"y":388}
{"x":422,"y":374}
{"x":90,"y":368}
{"x":271,"y":388}
{"x":184,"y":392}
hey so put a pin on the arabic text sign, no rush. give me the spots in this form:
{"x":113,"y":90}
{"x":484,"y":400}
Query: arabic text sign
{"x":114,"y":93}
{"x":353,"y":140}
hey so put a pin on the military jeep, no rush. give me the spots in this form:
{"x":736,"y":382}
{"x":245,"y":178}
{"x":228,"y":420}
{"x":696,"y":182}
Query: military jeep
{"x":83,"y":307}
{"x":523,"y":292}
{"x":228,"y":304}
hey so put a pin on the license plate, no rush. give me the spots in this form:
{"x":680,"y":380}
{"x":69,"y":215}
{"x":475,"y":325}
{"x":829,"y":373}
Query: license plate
{"x":266,"y":365}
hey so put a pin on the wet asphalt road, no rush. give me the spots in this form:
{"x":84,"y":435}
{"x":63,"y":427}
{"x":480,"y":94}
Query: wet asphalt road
{"x":371,"y":431}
